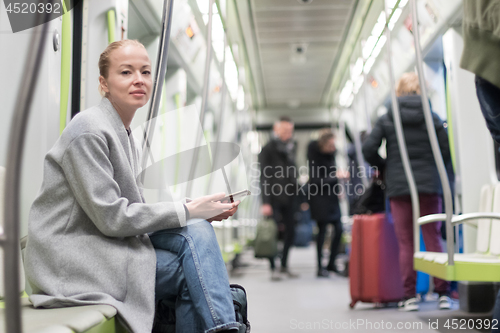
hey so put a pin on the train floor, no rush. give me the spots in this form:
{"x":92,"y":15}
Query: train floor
{"x":312,"y":304}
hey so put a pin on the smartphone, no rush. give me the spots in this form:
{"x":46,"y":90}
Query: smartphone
{"x":235,"y":196}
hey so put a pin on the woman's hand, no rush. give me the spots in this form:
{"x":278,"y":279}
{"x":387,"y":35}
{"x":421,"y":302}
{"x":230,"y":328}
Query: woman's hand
{"x":210,"y":208}
{"x":226,"y":214}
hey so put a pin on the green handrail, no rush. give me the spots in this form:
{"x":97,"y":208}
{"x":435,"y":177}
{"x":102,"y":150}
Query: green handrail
{"x":65,"y":68}
{"x":111,"y":26}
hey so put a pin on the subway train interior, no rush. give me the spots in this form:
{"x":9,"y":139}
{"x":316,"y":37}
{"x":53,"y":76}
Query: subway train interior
{"x":226,"y":75}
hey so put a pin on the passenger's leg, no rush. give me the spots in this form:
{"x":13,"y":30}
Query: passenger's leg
{"x":273,"y":265}
{"x":171,"y":293}
{"x":496,"y":314}
{"x":403,"y":224}
{"x":334,"y":249}
{"x":320,"y":240}
{"x":489,"y":100}
{"x":205,"y":275}
{"x":288,"y":213}
{"x":431,"y":204}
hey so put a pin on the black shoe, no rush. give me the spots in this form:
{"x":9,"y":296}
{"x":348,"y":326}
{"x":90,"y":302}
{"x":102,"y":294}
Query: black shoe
{"x":323,"y":273}
{"x":332,"y":268}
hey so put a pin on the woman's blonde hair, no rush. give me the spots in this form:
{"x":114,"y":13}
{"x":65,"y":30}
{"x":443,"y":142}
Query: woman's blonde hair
{"x":104,"y":58}
{"x":408,"y":85}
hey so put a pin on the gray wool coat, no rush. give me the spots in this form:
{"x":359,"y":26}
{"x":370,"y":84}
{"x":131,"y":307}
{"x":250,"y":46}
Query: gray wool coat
{"x":87,"y":231}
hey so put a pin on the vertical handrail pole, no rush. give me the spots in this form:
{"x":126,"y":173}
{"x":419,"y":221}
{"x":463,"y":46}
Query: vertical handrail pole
{"x":10,"y":241}
{"x":431,"y":130}
{"x":204,"y":99}
{"x":161,"y":70}
{"x":358,"y":148}
{"x":401,"y":139}
{"x":367,"y":111}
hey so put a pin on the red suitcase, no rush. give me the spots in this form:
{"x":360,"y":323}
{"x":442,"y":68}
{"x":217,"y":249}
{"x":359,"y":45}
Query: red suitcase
{"x":374,"y":264}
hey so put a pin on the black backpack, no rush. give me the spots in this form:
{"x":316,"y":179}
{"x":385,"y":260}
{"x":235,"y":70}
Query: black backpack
{"x":165,"y":314}
{"x":240,"y":307}
{"x":372,"y":201}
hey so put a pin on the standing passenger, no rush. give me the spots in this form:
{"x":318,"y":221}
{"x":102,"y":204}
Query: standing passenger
{"x":88,"y":228}
{"x":323,"y":200}
{"x":279,"y":186}
{"x":426,"y":177}
{"x":481,"y":56}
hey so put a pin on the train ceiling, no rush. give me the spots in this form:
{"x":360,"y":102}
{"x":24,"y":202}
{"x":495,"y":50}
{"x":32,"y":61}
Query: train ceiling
{"x":295,"y":44}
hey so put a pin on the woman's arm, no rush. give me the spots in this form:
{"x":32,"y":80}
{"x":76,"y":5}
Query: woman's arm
{"x":89,"y":173}
{"x":442,"y":136}
{"x":372,"y":144}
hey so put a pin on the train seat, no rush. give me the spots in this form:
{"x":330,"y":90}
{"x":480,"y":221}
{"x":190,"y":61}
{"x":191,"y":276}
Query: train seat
{"x":89,"y":318}
{"x":484,"y":264}
{"x":78,"y":319}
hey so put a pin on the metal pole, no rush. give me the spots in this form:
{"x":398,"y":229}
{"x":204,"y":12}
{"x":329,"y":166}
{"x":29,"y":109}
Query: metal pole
{"x":401,"y":141}
{"x":358,"y":148}
{"x":161,"y":70}
{"x":367,"y":112}
{"x":431,"y":130}
{"x":10,"y":240}
{"x":204,"y":98}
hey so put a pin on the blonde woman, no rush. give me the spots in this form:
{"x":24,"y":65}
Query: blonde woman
{"x":94,"y":240}
{"x":426,"y":177}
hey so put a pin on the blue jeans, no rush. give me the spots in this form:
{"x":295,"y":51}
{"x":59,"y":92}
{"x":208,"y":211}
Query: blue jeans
{"x":489,"y":99}
{"x":191,"y":278}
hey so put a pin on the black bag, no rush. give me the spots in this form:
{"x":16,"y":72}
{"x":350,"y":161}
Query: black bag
{"x":240,"y":307}
{"x":372,"y":201}
{"x":165,"y":314}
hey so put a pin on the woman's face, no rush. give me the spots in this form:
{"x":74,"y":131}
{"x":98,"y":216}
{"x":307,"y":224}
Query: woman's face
{"x":129,"y":80}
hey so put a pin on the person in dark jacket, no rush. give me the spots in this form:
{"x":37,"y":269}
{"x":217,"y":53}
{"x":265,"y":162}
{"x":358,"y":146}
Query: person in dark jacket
{"x":279,"y":184}
{"x":426,"y":177}
{"x":323,"y":200}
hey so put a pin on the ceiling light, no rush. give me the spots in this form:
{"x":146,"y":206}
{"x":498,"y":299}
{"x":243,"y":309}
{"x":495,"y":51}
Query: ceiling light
{"x":349,"y":101}
{"x":378,"y":28}
{"x":394,"y":18}
{"x":357,"y":84}
{"x":368,"y":65}
{"x":240,"y":101}
{"x":391,"y":3}
{"x":369,"y":45}
{"x":357,"y":69}
{"x":380,"y":45}
{"x":402,"y":3}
